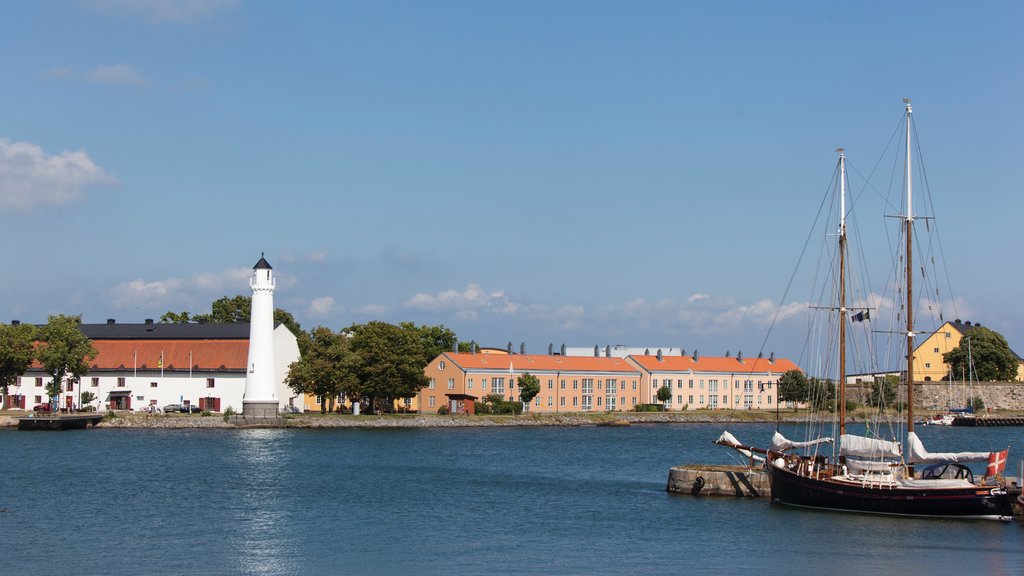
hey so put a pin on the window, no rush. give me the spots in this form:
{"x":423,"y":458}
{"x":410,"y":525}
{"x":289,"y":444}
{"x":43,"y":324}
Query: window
{"x":736,"y":384}
{"x":575,"y":401}
{"x":141,"y":398}
{"x":430,"y":401}
{"x":499,"y":385}
{"x":563,"y":384}
{"x":713,"y":401}
{"x":575,"y":384}
{"x":441,"y":365}
{"x":769,"y":399}
{"x":600,"y":384}
{"x":927,"y":364}
{"x":551,"y":384}
{"x":936,"y":350}
{"x":691,"y":383}
{"x":702,"y":399}
{"x":469,"y":384}
{"x":667,"y":383}
{"x":634,"y":384}
{"x":451,"y":383}
{"x":430,"y":384}
{"x":551,"y":401}
{"x":39,"y":381}
{"x":70,"y":386}
{"x":561,"y":401}
{"x":701,"y":383}
{"x":690,"y":398}
{"x":152,"y":384}
{"x":598,"y":400}
{"x":537,"y":401}
{"x":588,"y":403}
{"x":39,"y":399}
{"x":210,"y":383}
{"x":748,"y":401}
{"x":120,"y":383}
{"x":95,"y":382}
{"x":483,"y":383}
{"x":712,"y":385}
{"x":679,"y":398}
{"x":748,"y":385}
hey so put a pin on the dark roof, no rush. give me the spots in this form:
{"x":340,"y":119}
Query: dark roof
{"x":262,"y":264}
{"x":158,"y":331}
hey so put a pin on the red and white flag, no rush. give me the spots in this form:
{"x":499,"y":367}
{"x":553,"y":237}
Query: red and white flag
{"x":996,"y":462}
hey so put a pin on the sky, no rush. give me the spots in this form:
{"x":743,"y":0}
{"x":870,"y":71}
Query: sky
{"x":578,"y":172}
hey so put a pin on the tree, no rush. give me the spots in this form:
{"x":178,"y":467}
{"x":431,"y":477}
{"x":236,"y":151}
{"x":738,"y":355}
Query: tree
{"x":664,"y":394}
{"x":821,"y":393}
{"x":883,"y":391}
{"x":386,"y":361}
{"x":86,"y":398}
{"x":529,"y":387}
{"x":992,"y":358}
{"x":64,"y":352}
{"x":319,"y":369}
{"x":228,"y":310}
{"x":17,"y":347}
{"x":793,"y":387}
{"x":434,"y":339}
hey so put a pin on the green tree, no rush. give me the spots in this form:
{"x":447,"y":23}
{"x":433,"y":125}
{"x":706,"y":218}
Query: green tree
{"x":992,"y":358}
{"x":433,"y":339}
{"x":385,"y":361}
{"x":529,"y":387}
{"x":64,"y":352}
{"x":319,"y":369}
{"x":793,"y":387}
{"x":17,"y":348}
{"x":231,"y":309}
{"x":664,"y":394}
{"x":86,"y":398}
{"x":883,"y":391}
{"x":821,"y":393}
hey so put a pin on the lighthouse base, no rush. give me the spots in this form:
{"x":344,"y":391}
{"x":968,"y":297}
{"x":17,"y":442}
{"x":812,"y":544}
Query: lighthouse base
{"x":259,"y":410}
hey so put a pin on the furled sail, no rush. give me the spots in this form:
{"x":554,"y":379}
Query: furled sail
{"x":780,"y":442}
{"x":864,"y":447}
{"x":917,"y":454}
{"x":727,"y":439}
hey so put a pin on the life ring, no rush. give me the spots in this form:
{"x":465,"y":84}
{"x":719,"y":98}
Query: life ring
{"x":698,"y":485}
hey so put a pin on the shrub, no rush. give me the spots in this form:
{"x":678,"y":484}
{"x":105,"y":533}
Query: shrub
{"x":228,"y":413}
{"x":649,"y":408}
{"x":443,"y":410}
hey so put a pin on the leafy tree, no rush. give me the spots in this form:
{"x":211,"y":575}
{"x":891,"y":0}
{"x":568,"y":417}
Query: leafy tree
{"x":17,"y":347}
{"x":664,"y":394}
{"x":318,"y":370}
{"x":386,"y":361}
{"x":993,"y":359}
{"x":529,"y":387}
{"x":821,"y":393}
{"x":793,"y":387}
{"x":883,"y":391}
{"x":228,"y":310}
{"x":64,"y":351}
{"x":433,"y":339}
{"x":86,"y":398}
{"x":170,"y":317}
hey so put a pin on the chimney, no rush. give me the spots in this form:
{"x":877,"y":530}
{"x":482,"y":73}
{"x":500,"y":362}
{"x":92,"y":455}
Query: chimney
{"x":739,"y":356}
{"x":149,"y":321}
{"x":551,"y":349}
{"x":110,"y":321}
{"x":15,"y":322}
{"x":771,"y":358}
{"x":563,"y":348}
{"x":728,"y":354}
{"x":455,"y":347}
{"x":522,"y":348}
{"x":473,"y":346}
{"x":659,"y":354}
{"x":597,"y":351}
{"x":509,"y":348}
{"x":696,"y":355}
{"x":607,"y":351}
{"x":647,"y":351}
{"x":682,"y":351}
{"x":760,"y":355}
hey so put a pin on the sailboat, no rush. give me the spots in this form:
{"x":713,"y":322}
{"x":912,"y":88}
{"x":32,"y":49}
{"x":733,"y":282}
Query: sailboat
{"x":870,"y":474}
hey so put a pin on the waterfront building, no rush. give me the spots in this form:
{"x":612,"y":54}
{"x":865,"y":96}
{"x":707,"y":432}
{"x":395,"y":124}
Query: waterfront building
{"x":154,"y":364}
{"x":567,"y":384}
{"x":928,"y":362}
{"x":712,"y":382}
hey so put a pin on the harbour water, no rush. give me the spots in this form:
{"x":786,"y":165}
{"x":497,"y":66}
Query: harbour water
{"x":445,"y":501}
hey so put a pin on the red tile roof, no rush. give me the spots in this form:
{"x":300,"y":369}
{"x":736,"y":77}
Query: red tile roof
{"x":714,"y":364}
{"x":146,"y":354}
{"x":539,"y":362}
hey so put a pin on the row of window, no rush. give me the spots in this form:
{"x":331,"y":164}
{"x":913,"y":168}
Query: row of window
{"x":748,"y":400}
{"x":121,"y":383}
{"x":748,"y":385}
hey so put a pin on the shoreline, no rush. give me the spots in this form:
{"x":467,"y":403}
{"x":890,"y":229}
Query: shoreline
{"x":316,"y":420}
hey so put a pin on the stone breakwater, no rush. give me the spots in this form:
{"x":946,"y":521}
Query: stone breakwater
{"x":146,"y":421}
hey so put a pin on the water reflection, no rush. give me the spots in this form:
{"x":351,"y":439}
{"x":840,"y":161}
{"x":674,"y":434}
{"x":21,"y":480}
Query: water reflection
{"x":263,"y":542}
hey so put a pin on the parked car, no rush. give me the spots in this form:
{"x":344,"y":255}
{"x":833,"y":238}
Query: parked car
{"x":42,"y":408}
{"x":172,"y":408}
{"x":151,"y":409}
{"x":190,"y":409}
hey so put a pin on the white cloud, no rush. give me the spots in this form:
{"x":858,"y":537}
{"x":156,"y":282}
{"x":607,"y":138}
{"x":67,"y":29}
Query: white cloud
{"x":231,"y":278}
{"x":28,"y":177}
{"x":372,"y":310}
{"x":697,"y":298}
{"x":141,"y":293}
{"x":466,"y":304}
{"x":162,"y":10}
{"x":117,"y":74}
{"x":321,"y":306}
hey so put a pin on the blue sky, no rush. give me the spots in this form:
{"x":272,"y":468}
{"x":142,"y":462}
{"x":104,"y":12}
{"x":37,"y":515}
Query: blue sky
{"x":639,"y":173}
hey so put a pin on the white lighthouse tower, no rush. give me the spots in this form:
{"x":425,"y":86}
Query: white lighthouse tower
{"x":260,"y":397}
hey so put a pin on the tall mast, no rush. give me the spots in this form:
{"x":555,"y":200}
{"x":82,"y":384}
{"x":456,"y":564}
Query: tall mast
{"x":842,"y":291}
{"x":910,"y":283}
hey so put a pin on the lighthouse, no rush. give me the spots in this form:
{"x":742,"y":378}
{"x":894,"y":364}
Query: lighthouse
{"x":260,"y":397}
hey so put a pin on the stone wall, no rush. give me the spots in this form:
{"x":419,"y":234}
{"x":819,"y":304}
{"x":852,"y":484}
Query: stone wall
{"x":937,"y":395}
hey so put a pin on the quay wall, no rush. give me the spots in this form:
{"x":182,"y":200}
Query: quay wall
{"x":940,"y":395}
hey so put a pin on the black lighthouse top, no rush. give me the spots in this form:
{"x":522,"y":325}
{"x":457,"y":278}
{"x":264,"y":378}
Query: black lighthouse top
{"x":262,"y":264}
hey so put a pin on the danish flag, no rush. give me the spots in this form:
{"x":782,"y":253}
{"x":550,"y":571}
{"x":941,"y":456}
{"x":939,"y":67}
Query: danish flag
{"x":996,"y":462}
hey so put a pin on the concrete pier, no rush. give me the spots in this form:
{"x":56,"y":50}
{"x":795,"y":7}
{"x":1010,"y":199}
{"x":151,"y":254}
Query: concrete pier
{"x":59,"y":422}
{"x":719,"y":480}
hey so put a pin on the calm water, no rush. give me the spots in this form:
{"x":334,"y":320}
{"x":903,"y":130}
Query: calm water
{"x":445,"y":501}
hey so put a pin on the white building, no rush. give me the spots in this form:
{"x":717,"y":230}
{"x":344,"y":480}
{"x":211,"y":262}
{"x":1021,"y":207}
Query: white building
{"x":153,"y":364}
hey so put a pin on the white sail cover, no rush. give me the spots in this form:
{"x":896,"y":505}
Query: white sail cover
{"x":856,"y":465}
{"x":864,"y":447}
{"x":780,"y":442}
{"x":919,"y":455}
{"x":727,"y":439}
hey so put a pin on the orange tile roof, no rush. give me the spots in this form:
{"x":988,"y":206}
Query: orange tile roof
{"x":145,"y":354}
{"x":539,"y":362}
{"x":714,"y":364}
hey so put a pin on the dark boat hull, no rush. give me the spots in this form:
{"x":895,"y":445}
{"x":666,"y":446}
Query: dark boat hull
{"x":989,"y":502}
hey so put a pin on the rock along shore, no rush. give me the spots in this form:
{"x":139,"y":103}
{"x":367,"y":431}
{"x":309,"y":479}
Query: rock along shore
{"x":313,"y":420}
